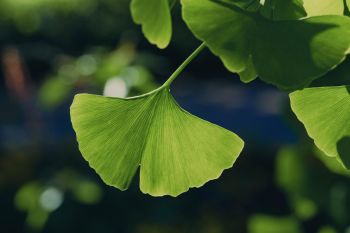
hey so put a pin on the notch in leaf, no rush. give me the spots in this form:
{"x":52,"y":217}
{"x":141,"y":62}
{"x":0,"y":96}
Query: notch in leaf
{"x":155,"y":18}
{"x":174,"y":149}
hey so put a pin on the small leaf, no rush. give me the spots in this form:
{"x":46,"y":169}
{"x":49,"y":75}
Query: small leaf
{"x":324,"y":7}
{"x":155,"y":18}
{"x":174,"y":149}
{"x":289,"y":54}
{"x":325,"y":113}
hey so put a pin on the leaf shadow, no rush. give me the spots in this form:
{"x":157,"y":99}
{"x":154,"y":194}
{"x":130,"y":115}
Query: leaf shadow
{"x":294,"y":52}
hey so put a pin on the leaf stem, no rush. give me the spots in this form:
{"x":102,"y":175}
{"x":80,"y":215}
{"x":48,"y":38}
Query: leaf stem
{"x":175,"y":74}
{"x":183,"y":65}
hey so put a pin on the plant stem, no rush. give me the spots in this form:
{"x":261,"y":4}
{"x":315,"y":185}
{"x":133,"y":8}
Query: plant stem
{"x":175,"y":74}
{"x":183,"y":65}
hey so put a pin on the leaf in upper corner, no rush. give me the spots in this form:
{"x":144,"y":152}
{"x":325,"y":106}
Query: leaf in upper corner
{"x":155,"y":18}
{"x":289,"y":53}
{"x":225,"y":38}
{"x":325,"y":113}
{"x":324,"y":7}
{"x":174,"y":149}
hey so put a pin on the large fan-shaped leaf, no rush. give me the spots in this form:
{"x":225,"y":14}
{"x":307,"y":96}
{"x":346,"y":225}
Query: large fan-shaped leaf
{"x":289,"y":53}
{"x":324,"y":7}
{"x":174,"y":149}
{"x":155,"y":18}
{"x":325,"y":113}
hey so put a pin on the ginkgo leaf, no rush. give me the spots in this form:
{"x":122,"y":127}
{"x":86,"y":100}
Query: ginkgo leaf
{"x":324,"y":7}
{"x":325,"y":113}
{"x":174,"y":149}
{"x":225,"y":38}
{"x":155,"y":18}
{"x":289,"y":53}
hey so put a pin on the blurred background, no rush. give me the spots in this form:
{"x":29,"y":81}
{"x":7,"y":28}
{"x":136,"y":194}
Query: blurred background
{"x":51,"y":50}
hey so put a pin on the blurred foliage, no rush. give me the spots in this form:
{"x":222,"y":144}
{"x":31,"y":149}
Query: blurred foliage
{"x":311,"y":189}
{"x":30,"y":15}
{"x":98,"y":70}
{"x":39,"y":198}
{"x":268,"y":224}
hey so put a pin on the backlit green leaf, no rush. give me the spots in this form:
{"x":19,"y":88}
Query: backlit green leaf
{"x":155,"y":18}
{"x":174,"y":149}
{"x":324,"y":7}
{"x":289,"y":54}
{"x":325,"y":113}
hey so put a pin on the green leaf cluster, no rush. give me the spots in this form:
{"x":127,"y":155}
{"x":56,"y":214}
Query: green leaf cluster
{"x":155,"y":18}
{"x":287,"y":53}
{"x":291,"y":44}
